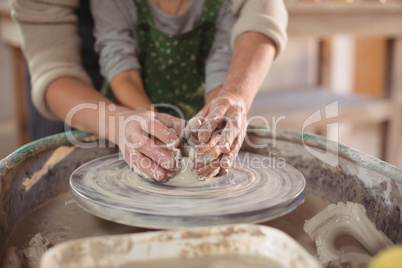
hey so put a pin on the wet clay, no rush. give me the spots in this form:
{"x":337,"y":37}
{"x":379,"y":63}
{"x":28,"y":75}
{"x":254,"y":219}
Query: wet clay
{"x":227,"y":261}
{"x":60,"y":219}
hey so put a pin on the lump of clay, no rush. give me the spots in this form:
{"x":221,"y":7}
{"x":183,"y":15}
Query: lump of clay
{"x":188,"y":152}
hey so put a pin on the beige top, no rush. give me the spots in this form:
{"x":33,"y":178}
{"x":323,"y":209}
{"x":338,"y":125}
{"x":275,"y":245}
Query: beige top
{"x":52,"y":46}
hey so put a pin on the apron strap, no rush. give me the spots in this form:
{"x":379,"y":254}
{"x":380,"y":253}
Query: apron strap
{"x":144,"y":14}
{"x":210,"y":11}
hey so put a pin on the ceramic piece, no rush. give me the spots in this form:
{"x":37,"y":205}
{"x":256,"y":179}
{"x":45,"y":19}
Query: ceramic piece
{"x":234,"y":246}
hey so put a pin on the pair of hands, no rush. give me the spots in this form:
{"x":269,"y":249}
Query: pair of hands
{"x":149,"y":140}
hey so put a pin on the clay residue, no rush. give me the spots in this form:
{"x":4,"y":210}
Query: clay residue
{"x":215,"y":261}
{"x":102,"y":248}
{"x":59,"y":220}
{"x":250,"y":230}
{"x":195,"y":234}
{"x":29,"y":257}
{"x":57,"y":156}
{"x":208,"y":248}
{"x":223,"y":245}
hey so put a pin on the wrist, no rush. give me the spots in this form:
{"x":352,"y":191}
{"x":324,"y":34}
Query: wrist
{"x":129,"y":91}
{"x":118,"y":118}
{"x":235,"y":97}
{"x":114,"y":120}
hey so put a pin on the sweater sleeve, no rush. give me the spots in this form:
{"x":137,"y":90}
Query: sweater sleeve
{"x":268,"y":17}
{"x":220,"y":54}
{"x":115,"y":36}
{"x":50,"y":43}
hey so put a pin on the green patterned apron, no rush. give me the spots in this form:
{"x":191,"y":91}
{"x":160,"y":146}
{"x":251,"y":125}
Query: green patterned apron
{"x":173,"y":65}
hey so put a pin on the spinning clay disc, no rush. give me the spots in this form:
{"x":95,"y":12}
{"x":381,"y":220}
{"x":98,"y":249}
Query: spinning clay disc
{"x":256,"y":189}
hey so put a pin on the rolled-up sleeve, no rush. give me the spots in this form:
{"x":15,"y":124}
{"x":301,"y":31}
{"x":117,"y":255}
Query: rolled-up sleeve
{"x":220,"y":55}
{"x":115,"y":36}
{"x":50,"y":43}
{"x":268,"y":17}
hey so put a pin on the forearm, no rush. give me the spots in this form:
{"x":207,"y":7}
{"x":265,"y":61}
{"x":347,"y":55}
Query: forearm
{"x":269,"y":18}
{"x":128,"y":90}
{"x":252,"y":58}
{"x":80,"y":105}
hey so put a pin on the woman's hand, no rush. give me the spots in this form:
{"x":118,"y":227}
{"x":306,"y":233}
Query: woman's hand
{"x":226,"y":115}
{"x":228,"y":105}
{"x":148,"y":141}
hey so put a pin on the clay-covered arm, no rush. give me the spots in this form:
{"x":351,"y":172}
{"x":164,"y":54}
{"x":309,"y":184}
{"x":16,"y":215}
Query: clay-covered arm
{"x":228,"y":105}
{"x":253,"y":56}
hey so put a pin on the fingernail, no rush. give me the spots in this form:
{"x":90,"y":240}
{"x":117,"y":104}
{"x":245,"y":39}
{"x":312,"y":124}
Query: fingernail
{"x":194,"y":123}
{"x":214,"y":173}
{"x":227,"y":145}
{"x":165,"y":165}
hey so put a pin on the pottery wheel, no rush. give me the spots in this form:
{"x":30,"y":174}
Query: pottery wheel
{"x":250,"y":193}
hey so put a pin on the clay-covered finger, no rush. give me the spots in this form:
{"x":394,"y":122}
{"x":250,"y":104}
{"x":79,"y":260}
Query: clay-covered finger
{"x":235,"y":123}
{"x":133,"y":138}
{"x":170,"y":174}
{"x":227,"y":159}
{"x":144,"y":166}
{"x":192,"y":128}
{"x":211,"y":122}
{"x":208,"y":171}
{"x":175,"y":123}
{"x":202,"y":148}
{"x":176,"y":152}
{"x":207,"y":157}
{"x":158,"y":154}
{"x":200,"y":116}
{"x":166,"y":135}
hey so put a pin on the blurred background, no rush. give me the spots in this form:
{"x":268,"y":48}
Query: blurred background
{"x":333,"y":55}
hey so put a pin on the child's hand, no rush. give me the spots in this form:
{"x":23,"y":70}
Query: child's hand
{"x":148,"y":141}
{"x":226,"y":112}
